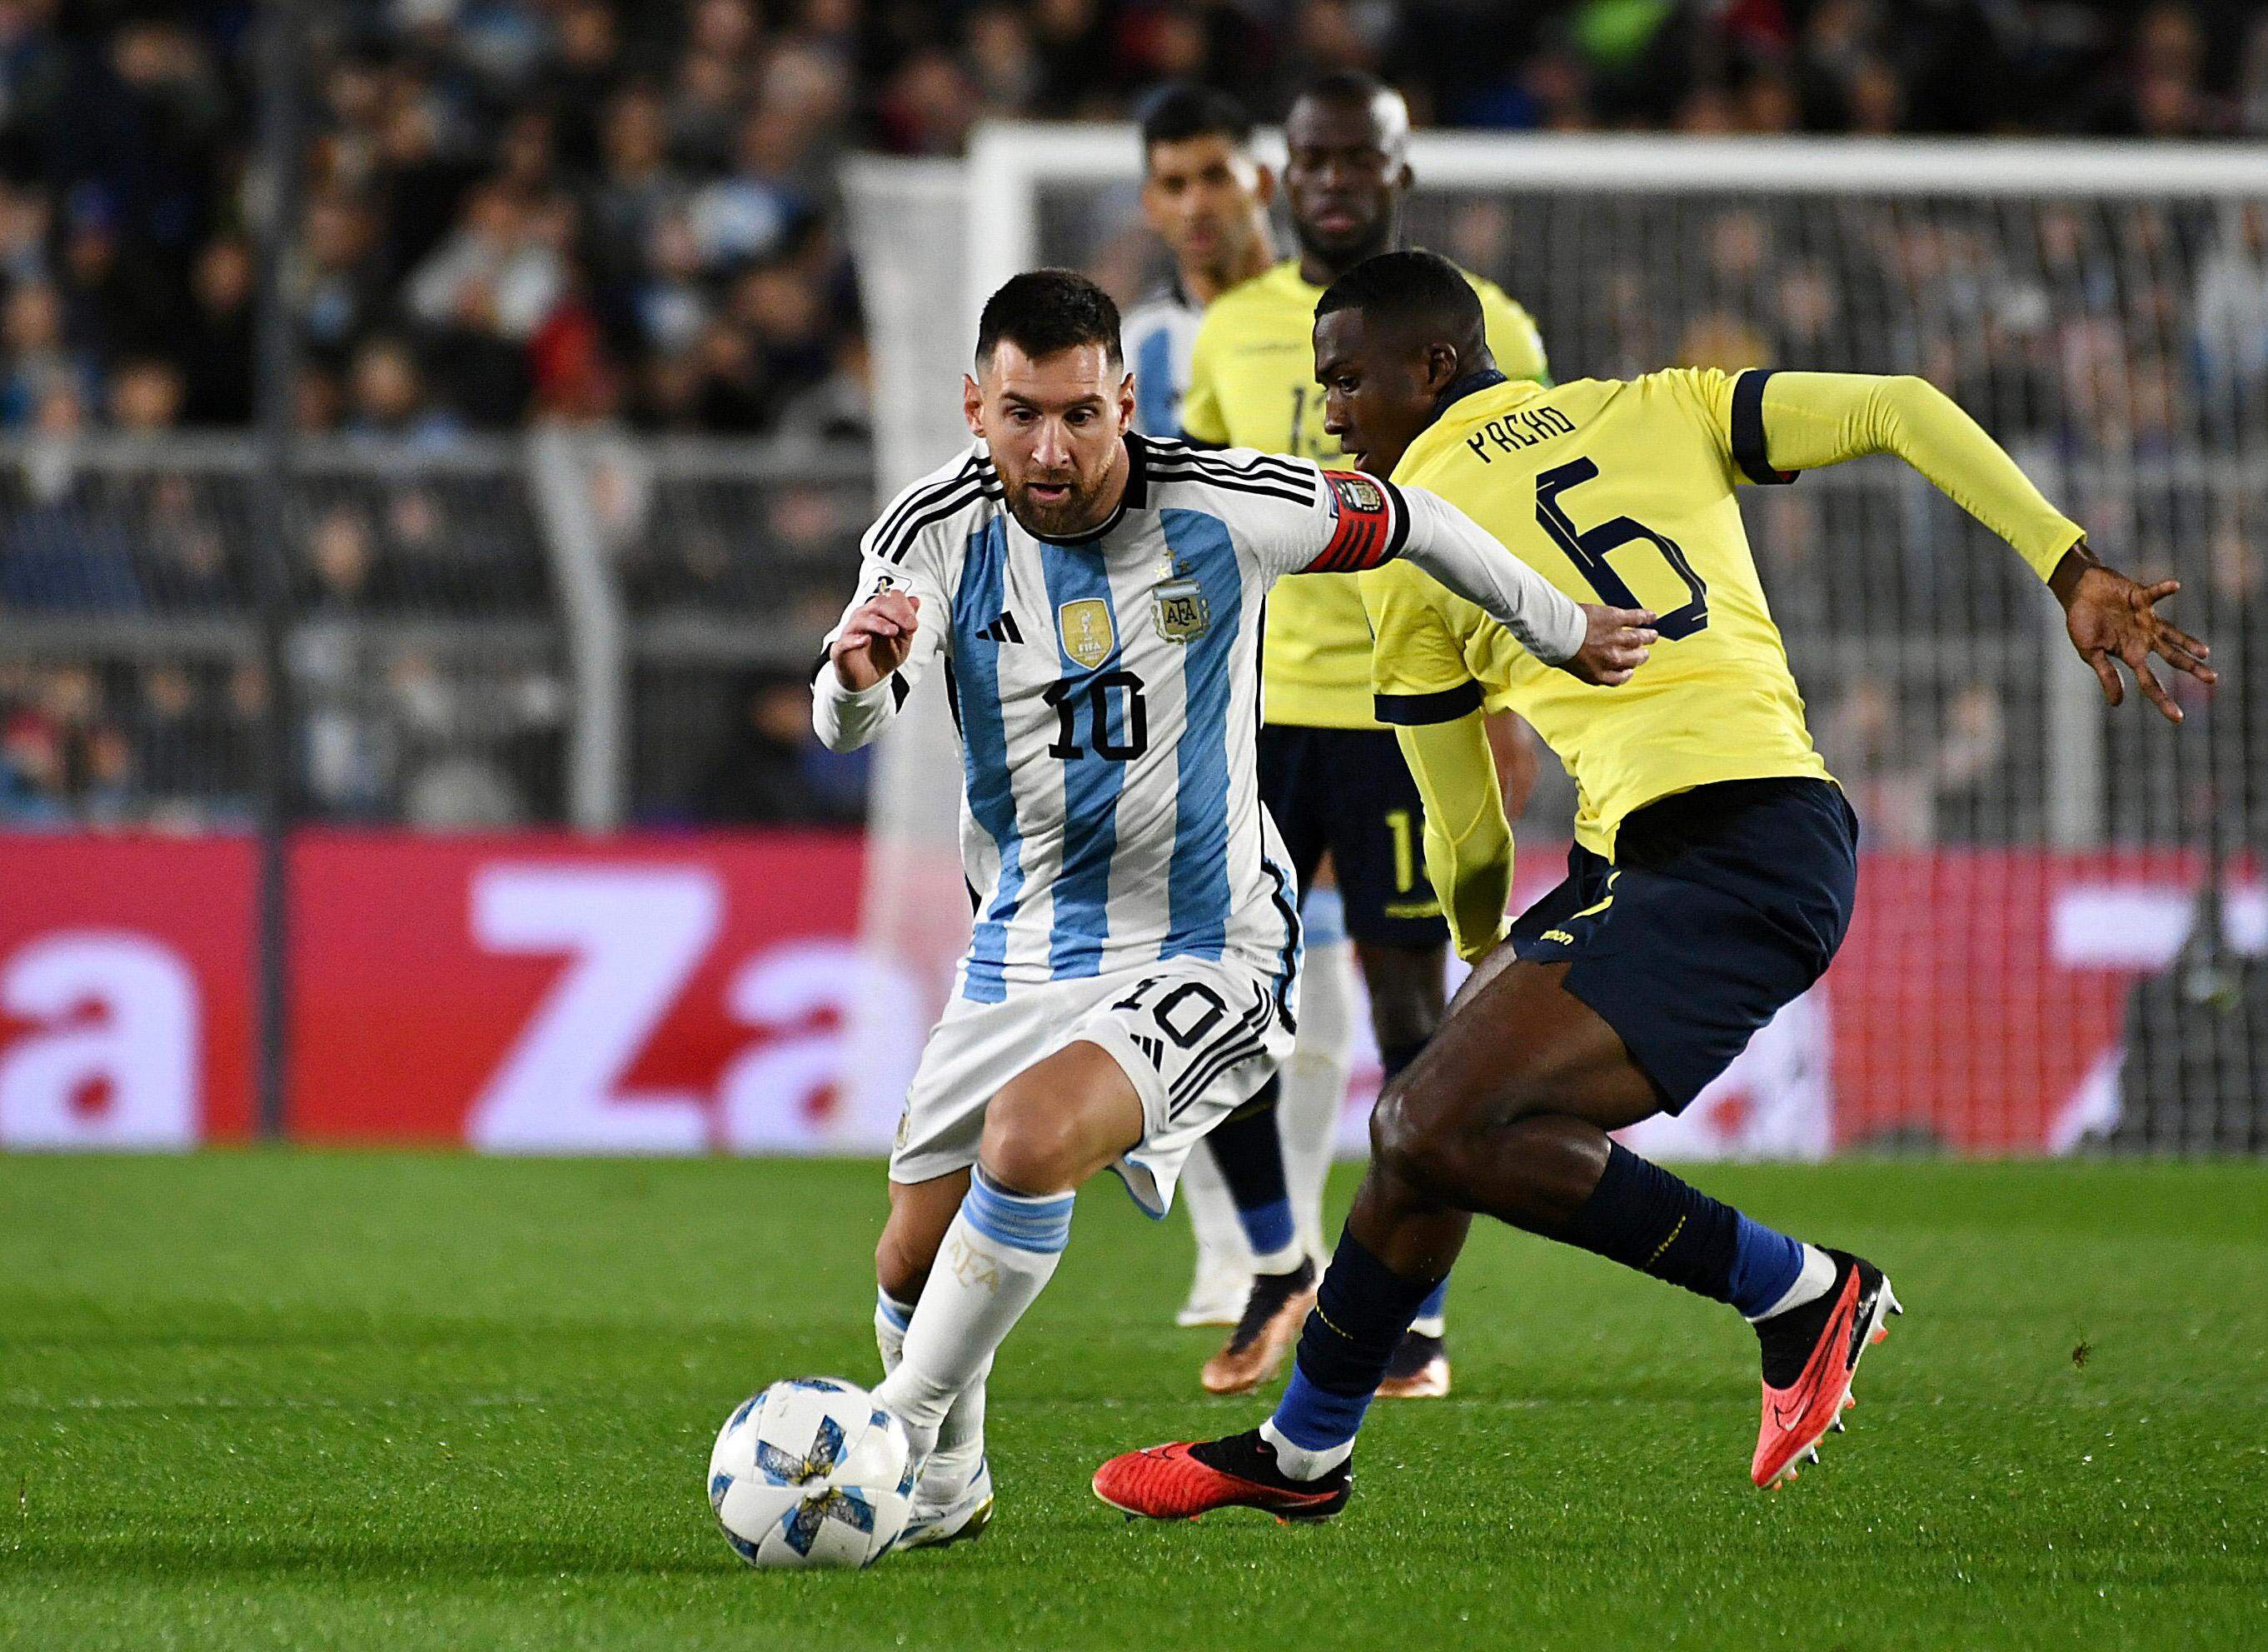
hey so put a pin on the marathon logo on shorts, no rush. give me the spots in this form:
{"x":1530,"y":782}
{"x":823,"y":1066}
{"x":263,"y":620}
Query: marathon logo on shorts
{"x":1366,"y":530}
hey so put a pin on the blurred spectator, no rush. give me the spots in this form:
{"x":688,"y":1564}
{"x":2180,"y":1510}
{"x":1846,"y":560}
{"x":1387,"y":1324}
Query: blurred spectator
{"x":2232,"y":305}
{"x":216,"y":351}
{"x":145,"y":395}
{"x":59,"y":553}
{"x":385,"y":396}
{"x":769,"y":769}
{"x":39,"y":358}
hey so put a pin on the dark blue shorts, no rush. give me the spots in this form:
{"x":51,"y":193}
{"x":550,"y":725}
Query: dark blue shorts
{"x":1346,"y":793}
{"x":1721,"y":905}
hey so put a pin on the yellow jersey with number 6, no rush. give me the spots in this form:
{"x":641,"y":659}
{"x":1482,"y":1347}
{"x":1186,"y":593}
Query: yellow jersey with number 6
{"x":1252,"y":384}
{"x":1619,"y":492}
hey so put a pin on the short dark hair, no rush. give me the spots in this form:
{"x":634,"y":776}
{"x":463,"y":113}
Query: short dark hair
{"x":1043,"y":311}
{"x":1182,"y":109}
{"x":1344,"y":85}
{"x":1410,"y":287}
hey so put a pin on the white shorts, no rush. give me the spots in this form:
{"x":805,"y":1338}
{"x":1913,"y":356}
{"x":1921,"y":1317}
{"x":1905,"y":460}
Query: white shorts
{"x":1198,"y":1038}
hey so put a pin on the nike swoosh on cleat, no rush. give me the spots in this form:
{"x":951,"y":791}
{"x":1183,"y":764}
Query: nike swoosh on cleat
{"x":1787,"y":1416}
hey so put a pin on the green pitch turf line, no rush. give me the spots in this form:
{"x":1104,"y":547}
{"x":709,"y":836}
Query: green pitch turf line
{"x":303,"y":1401}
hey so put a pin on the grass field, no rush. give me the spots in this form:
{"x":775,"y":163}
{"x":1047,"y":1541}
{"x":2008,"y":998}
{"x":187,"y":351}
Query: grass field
{"x":292,"y":1400}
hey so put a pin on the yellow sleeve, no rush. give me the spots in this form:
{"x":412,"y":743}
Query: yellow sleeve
{"x":1776,"y":423}
{"x":1467,"y":840}
{"x":1203,"y":420}
{"x":1513,"y":336}
{"x":1423,"y":690}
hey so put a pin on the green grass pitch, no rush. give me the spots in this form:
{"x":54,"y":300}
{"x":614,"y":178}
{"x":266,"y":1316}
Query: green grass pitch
{"x":297,"y":1400}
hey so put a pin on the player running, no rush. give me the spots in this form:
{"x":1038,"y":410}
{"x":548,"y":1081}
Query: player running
{"x":1332,"y":778}
{"x":1714,"y":864}
{"x":1129,"y":979}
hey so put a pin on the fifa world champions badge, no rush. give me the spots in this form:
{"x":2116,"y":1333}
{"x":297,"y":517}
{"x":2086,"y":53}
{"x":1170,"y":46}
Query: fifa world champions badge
{"x":1087,"y":638}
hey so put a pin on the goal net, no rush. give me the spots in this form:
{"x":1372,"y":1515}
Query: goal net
{"x":2061,"y":918}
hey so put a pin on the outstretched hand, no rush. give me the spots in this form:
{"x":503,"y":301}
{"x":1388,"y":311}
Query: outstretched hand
{"x":2113,"y":617}
{"x":876,"y":638}
{"x":1614,"y":645}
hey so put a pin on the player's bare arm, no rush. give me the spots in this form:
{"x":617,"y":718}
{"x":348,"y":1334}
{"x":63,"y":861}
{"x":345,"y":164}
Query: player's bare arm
{"x":2110,"y":616}
{"x":875,"y":640}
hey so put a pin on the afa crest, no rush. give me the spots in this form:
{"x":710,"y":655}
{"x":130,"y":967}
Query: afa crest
{"x":1358,"y":493}
{"x":1182,"y":611}
{"x":1088,"y":637}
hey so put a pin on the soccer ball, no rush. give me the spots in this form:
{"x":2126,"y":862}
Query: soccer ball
{"x":811,"y":1473}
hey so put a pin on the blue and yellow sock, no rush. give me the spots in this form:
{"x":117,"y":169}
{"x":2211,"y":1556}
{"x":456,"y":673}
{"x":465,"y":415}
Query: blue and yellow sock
{"x":1644,"y":1218}
{"x":1362,"y":1310}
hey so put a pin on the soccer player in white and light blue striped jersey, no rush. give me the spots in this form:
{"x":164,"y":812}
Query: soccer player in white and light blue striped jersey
{"x":1095,"y":597}
{"x":1206,"y":195}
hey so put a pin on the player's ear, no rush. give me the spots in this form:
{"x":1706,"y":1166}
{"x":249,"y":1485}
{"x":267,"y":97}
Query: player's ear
{"x":1263,"y":185}
{"x":972,"y":405}
{"x":1441,"y":367}
{"x":1126,"y":402}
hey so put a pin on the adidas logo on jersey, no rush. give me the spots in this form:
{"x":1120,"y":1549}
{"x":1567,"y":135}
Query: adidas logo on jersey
{"x":1002,"y":630}
{"x":1154,"y":1048}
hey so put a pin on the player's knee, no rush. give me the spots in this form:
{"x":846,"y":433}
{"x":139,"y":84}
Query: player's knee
{"x":901,"y":1267}
{"x":1413,"y":1142}
{"x":1032,"y":1147}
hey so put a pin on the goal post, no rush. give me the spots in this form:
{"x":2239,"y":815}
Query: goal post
{"x":2034,"y":856}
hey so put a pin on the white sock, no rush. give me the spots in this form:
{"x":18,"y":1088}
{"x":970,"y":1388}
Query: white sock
{"x":1812,"y":1283}
{"x":1286,"y":1260}
{"x":891,"y":1318}
{"x":1299,"y":1463}
{"x":1213,"y":1218}
{"x":997,"y":1255}
{"x":1314,"y":1084}
{"x":961,"y":1437}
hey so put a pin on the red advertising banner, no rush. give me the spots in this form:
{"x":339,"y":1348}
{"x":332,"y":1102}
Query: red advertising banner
{"x":126,"y":973}
{"x":703,"y":993}
{"x":556,"y":994}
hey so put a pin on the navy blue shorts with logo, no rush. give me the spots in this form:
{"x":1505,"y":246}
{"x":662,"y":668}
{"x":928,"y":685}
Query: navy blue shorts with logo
{"x":1346,"y":793}
{"x":1721,"y":905}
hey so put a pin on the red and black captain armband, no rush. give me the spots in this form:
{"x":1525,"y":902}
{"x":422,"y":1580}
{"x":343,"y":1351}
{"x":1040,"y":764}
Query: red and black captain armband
{"x":1370,"y":521}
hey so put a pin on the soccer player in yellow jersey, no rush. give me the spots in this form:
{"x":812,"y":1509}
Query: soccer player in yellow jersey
{"x":1715,"y":859}
{"x":1331,"y":776}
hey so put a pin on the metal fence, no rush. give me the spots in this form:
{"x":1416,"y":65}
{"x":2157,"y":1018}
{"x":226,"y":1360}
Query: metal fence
{"x":570,"y":628}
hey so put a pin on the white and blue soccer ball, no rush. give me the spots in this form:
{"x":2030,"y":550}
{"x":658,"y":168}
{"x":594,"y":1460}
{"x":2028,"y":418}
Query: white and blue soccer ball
{"x":811,"y":1473}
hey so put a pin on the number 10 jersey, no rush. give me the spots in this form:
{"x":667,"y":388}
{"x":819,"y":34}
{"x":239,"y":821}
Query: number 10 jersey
{"x":1618,"y":492}
{"x":1106,"y":693}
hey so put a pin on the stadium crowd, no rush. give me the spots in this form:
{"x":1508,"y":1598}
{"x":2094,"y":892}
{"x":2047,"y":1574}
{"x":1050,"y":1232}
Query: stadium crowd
{"x":624,"y":217}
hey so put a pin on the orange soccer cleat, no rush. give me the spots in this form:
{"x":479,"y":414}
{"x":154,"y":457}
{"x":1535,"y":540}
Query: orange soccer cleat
{"x":1274,"y":1310}
{"x":1811,"y":1354}
{"x":1185,"y":1481}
